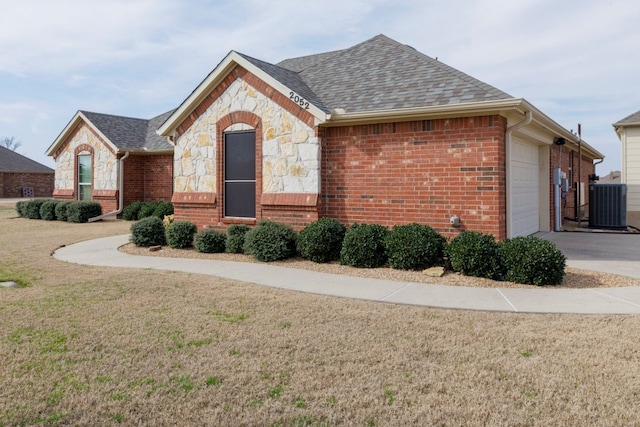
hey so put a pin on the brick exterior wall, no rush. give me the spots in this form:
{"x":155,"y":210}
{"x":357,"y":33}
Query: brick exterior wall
{"x":568,"y":161}
{"x":420,"y":171}
{"x":148,"y":178}
{"x":12,"y":183}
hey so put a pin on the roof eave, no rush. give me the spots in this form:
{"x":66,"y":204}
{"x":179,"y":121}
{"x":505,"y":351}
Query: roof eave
{"x":212,"y":80}
{"x":70,"y":128}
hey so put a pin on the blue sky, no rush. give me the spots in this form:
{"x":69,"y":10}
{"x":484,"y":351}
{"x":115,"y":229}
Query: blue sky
{"x":578,"y":62}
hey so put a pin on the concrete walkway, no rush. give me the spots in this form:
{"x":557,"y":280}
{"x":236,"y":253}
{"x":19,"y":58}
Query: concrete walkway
{"x":624,"y":300}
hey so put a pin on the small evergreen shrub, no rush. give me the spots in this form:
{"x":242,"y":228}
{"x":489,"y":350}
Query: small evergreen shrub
{"x":532,"y":260}
{"x":147,"y":232}
{"x":21,"y":208}
{"x":270,"y":241}
{"x":363,"y":246}
{"x":48,"y":210}
{"x":475,"y":254}
{"x":210,"y":241}
{"x":321,"y":240}
{"x":235,"y":238}
{"x":61,"y":210}
{"x":147,"y":209}
{"x":163,"y":209}
{"x":81,"y":210}
{"x":130,"y":212}
{"x":180,"y":234}
{"x":32,"y":209}
{"x":414,"y":247}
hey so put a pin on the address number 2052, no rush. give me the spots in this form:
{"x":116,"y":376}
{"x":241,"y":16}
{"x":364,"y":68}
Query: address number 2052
{"x":299,"y":100}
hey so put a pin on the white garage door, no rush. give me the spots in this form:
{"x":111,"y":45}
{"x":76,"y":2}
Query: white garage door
{"x":525,"y":188}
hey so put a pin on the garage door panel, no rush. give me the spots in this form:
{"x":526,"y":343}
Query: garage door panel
{"x":525,"y":188}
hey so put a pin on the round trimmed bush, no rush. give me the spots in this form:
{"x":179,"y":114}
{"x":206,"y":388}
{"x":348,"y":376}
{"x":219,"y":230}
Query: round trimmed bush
{"x":130,"y":212}
{"x":270,"y":241}
{"x":210,"y":241}
{"x":475,"y":254}
{"x":32,"y":209}
{"x":148,"y":232}
{"x":180,"y":234}
{"x":21,"y":208}
{"x":147,"y":209}
{"x":61,"y":210}
{"x":363,"y":246}
{"x":321,"y":240}
{"x":235,"y":238}
{"x":414,"y":247}
{"x":163,"y":209}
{"x":48,"y":210}
{"x":533,"y":261}
{"x":82,"y":210}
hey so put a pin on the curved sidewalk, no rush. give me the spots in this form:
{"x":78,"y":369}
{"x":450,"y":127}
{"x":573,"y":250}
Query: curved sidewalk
{"x":625,"y":300}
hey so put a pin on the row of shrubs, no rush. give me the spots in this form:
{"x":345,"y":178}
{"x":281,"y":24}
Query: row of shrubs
{"x":138,"y":210}
{"x":528,"y":260}
{"x":60,"y":210}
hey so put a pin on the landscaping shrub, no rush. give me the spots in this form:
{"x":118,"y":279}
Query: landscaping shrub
{"x":130,"y":212}
{"x":363,"y":246}
{"x":321,"y":240}
{"x":270,"y":241}
{"x":147,"y":232}
{"x":147,"y":209}
{"x":61,"y":210}
{"x":167,"y":220}
{"x":532,"y":260}
{"x":235,"y":238}
{"x":48,"y":210}
{"x":163,"y":209}
{"x":475,"y":254}
{"x":180,"y":234}
{"x":32,"y":210}
{"x":210,"y":241}
{"x":21,"y":208}
{"x":81,"y":211}
{"x":414,"y":247}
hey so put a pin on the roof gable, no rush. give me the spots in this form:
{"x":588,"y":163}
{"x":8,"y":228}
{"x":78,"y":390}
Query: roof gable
{"x":10,"y":161}
{"x":633,"y":119}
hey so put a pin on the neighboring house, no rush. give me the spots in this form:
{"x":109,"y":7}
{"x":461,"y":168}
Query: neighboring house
{"x":376,"y":133}
{"x":628,"y":130}
{"x":23,"y":177}
{"x":613,"y":177}
{"x":112,"y":160}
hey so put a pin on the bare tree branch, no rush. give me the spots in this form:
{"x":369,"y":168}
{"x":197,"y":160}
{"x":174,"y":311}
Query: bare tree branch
{"x":10,"y":142}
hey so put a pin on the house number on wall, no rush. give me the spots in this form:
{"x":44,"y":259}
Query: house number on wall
{"x":299,"y":100}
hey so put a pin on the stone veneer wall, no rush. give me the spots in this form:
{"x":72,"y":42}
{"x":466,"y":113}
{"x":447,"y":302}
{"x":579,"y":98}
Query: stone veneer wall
{"x":291,"y":151}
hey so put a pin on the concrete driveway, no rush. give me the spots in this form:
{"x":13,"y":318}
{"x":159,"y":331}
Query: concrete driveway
{"x":615,"y":253}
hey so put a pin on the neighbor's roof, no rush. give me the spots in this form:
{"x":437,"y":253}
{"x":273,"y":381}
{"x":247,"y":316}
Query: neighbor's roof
{"x":633,"y":119}
{"x":122,"y":133}
{"x":10,"y":161}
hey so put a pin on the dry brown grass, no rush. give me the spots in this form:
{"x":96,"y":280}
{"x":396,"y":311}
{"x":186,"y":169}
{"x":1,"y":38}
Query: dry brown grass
{"x":85,"y":345}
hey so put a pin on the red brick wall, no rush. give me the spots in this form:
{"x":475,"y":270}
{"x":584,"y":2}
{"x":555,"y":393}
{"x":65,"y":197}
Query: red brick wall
{"x":569,"y":161}
{"x":12,"y":183}
{"x":148,"y":178}
{"x":421,"y":171}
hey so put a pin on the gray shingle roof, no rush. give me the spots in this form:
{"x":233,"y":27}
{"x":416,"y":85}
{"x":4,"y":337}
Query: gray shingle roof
{"x":382,"y":74}
{"x":10,"y":161}
{"x":631,"y":119}
{"x":131,"y":134}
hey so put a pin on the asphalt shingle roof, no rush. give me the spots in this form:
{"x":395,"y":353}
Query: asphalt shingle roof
{"x":631,"y":119}
{"x":382,"y":74}
{"x":131,"y":134}
{"x":10,"y":161}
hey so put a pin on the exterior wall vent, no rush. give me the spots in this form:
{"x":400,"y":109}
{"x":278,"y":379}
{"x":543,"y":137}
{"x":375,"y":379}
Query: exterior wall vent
{"x":608,"y":206}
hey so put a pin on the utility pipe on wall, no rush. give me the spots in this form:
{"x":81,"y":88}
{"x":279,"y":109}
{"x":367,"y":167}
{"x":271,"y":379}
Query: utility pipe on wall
{"x":120,"y":191}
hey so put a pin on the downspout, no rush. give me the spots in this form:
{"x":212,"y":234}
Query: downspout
{"x":524,"y":122}
{"x":120,"y":191}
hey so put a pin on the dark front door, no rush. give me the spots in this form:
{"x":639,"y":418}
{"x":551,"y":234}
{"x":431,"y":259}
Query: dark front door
{"x":240,"y":175}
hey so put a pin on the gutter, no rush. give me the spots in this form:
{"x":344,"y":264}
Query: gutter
{"x":120,"y":191}
{"x":524,"y":122}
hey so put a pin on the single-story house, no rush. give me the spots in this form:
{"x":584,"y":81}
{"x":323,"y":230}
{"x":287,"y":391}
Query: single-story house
{"x":628,"y":130}
{"x":375,"y":133}
{"x":23,"y":177}
{"x":112,"y":160}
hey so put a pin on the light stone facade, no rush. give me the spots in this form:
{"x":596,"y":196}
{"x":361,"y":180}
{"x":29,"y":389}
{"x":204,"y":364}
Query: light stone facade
{"x":290,"y":149}
{"x":105,"y":165}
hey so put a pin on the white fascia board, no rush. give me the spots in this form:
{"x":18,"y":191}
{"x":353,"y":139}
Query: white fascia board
{"x":73,"y":123}
{"x":213,"y":79}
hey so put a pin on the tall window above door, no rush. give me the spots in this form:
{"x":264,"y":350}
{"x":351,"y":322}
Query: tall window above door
{"x":84,"y":177}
